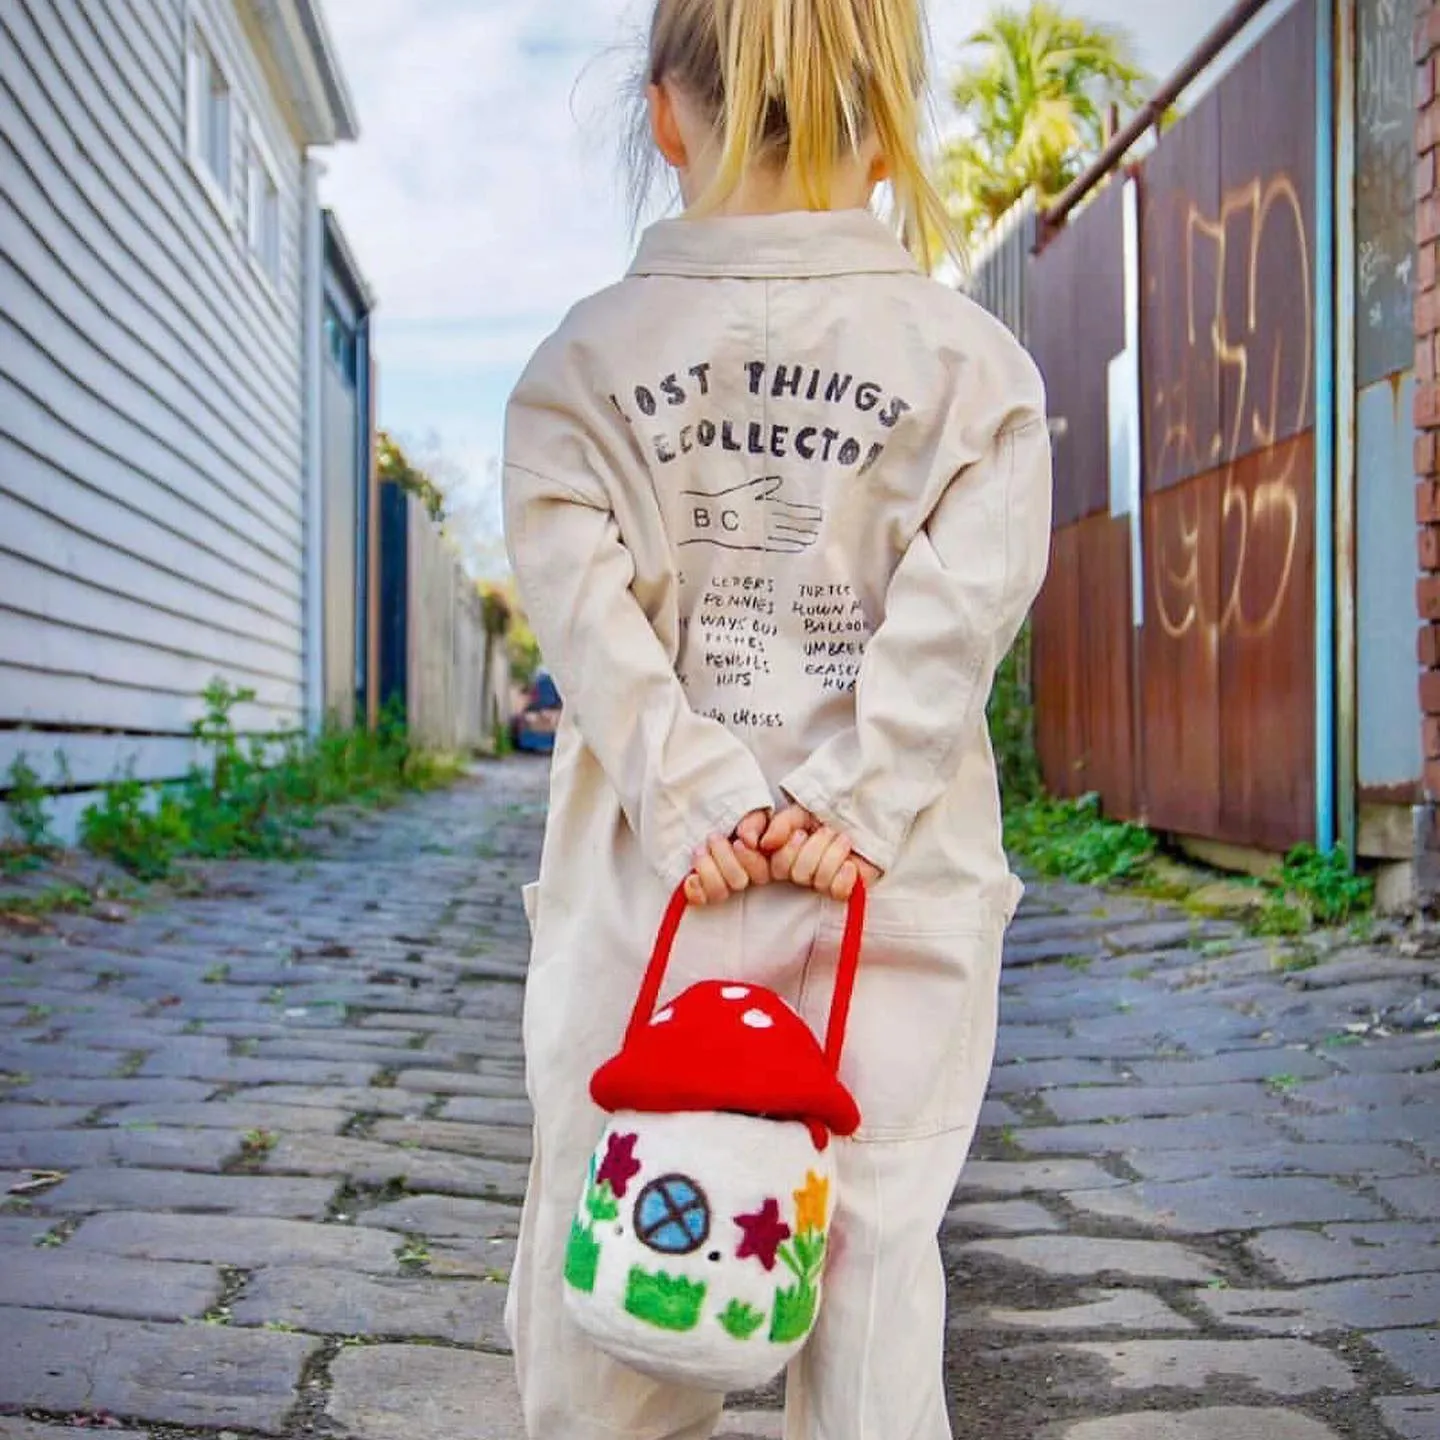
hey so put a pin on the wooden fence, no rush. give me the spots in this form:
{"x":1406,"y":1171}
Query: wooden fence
{"x":435,"y":660}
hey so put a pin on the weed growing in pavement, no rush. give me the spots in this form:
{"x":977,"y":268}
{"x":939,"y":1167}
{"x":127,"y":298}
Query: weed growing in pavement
{"x":1070,"y":839}
{"x":1283,"y":1084}
{"x":1326,"y":885}
{"x":256,"y":794}
{"x":257,"y":1144}
{"x":51,"y":901}
{"x":29,"y":817}
{"x":414,"y":1254}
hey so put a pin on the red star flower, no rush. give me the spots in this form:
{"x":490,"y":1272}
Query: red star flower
{"x":620,"y":1166}
{"x":764,"y":1233}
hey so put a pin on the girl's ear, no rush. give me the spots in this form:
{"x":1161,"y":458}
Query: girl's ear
{"x":665,"y":127}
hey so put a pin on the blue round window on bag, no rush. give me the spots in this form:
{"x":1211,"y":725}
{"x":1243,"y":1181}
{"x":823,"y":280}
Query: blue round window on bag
{"x":672,"y":1215}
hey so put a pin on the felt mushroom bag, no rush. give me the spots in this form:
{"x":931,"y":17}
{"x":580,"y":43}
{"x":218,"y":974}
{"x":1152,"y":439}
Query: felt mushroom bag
{"x":697,"y":1253}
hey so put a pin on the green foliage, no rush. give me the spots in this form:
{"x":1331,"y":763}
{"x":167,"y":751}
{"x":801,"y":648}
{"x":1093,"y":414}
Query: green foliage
{"x":254,"y":795}
{"x":127,"y":827}
{"x":394,"y":466}
{"x":1071,"y":839}
{"x":1011,"y":713}
{"x":1327,"y":886}
{"x":25,"y":799}
{"x":1035,"y":101}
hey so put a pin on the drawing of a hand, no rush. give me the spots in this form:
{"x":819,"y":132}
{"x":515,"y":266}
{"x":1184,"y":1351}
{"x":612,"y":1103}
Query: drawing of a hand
{"x":751,"y":516}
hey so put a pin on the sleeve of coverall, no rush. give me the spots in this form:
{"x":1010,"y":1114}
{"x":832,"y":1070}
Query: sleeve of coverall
{"x":680,"y":776}
{"x":953,"y":609}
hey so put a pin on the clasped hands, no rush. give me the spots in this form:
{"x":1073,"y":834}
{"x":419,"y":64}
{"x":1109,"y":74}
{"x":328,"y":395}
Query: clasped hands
{"x":788,"y":845}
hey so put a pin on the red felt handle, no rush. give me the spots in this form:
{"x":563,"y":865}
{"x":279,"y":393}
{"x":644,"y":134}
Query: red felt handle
{"x":844,"y":975}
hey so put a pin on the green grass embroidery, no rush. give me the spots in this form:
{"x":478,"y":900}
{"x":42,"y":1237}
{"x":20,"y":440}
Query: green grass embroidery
{"x":794,"y":1314}
{"x":665,"y":1301}
{"x":740,"y":1320}
{"x":582,"y":1258}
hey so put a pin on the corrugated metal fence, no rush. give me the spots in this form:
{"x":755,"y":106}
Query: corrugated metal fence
{"x":1189,"y":699}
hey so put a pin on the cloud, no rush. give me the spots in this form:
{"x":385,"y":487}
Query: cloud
{"x":484,"y":195}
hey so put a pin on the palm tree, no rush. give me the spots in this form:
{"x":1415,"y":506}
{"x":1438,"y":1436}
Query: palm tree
{"x":1033,"y":104}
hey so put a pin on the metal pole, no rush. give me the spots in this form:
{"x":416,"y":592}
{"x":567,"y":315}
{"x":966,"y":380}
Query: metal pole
{"x":1153,"y":111}
{"x":1325,"y":413}
{"x":1346,"y":393}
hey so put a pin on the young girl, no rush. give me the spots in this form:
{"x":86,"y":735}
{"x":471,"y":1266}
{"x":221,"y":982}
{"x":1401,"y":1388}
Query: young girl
{"x":777,"y":504}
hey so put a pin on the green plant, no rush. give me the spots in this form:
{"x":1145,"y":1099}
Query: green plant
{"x":46,"y":902}
{"x":254,"y":795}
{"x":1282,"y":1084}
{"x":1278,"y":917}
{"x":1011,"y":716}
{"x":1035,"y":103}
{"x":26,"y":801}
{"x":257,"y":1144}
{"x":1329,"y":888}
{"x":1071,"y":839}
{"x":139,"y":828}
{"x":414,"y":1253}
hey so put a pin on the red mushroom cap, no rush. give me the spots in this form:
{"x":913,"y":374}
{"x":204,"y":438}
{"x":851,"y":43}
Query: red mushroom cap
{"x":722,"y":1045}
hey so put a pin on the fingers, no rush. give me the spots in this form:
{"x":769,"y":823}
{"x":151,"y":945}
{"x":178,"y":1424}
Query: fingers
{"x":783,"y":826}
{"x":755,"y":865}
{"x":820,"y":859}
{"x":752,"y":828}
{"x":732,"y":872}
{"x":782,"y":862}
{"x":713,"y":888}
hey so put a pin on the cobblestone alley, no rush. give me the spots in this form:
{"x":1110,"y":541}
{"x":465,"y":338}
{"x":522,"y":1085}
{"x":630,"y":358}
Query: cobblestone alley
{"x":261,"y":1153}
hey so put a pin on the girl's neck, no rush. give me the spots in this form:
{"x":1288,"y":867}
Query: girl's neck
{"x":771,"y":191}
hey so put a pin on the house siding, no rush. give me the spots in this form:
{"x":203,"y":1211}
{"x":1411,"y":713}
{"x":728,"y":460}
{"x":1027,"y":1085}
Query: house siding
{"x":151,"y":401}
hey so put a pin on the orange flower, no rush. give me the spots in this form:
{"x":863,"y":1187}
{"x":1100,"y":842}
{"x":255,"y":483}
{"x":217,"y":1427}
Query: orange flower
{"x":812,"y":1203}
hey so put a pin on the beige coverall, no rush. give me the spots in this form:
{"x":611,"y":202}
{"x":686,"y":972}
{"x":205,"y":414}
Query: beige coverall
{"x":778,"y":504}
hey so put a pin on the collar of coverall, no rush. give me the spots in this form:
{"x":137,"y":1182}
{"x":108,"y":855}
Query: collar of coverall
{"x":797,"y":243}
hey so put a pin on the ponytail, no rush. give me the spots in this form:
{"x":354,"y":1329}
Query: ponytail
{"x":800,"y":83}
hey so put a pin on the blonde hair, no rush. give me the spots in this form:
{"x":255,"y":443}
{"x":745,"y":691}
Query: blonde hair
{"x":800,"y":83}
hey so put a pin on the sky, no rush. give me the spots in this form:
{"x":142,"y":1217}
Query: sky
{"x":485,"y":193}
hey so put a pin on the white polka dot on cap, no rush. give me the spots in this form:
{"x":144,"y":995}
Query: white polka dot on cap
{"x":757,"y":1020}
{"x":735,"y":992}
{"x":661,"y":1016}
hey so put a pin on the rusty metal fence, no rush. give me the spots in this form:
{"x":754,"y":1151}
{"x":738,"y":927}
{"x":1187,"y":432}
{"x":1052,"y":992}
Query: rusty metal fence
{"x":1188,"y":699}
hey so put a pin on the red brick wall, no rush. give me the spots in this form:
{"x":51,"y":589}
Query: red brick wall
{"x":1427,"y":392}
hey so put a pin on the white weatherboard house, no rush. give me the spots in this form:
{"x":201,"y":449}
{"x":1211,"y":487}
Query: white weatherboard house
{"x":163,"y":344}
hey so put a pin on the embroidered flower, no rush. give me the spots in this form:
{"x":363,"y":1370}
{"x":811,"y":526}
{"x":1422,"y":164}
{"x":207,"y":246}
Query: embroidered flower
{"x":619,"y":1166}
{"x":764,"y":1233}
{"x":812,"y":1203}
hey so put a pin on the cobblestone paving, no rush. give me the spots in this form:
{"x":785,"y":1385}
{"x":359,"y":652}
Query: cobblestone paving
{"x":261,"y":1153}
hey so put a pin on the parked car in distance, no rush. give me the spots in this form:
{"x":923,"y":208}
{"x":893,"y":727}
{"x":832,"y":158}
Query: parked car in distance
{"x":535,"y":726}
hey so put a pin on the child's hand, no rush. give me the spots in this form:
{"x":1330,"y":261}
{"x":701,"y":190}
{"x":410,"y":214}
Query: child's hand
{"x":726,"y":866}
{"x":813,"y":855}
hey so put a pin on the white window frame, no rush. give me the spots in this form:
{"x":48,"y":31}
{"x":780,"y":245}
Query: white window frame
{"x":202,"y":60}
{"x":262,"y":183}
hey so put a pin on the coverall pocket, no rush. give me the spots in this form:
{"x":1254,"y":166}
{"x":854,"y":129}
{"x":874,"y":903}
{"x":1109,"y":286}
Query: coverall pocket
{"x":922,"y":1024}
